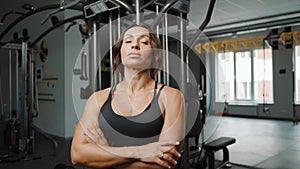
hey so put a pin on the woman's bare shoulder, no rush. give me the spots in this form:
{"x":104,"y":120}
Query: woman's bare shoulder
{"x":170,"y":96}
{"x":102,"y":93}
{"x":171,"y":92}
{"x":172,"y":101}
{"x":99,"y":97}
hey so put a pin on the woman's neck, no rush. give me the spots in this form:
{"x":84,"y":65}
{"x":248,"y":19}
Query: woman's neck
{"x":136,"y":82}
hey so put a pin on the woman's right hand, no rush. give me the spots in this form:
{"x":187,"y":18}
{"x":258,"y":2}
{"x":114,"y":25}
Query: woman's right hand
{"x":95,"y":135}
{"x":163,"y":153}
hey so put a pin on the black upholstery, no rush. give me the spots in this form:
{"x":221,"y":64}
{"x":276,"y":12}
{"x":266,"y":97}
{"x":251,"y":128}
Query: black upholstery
{"x":216,"y":145}
{"x":219,"y":143}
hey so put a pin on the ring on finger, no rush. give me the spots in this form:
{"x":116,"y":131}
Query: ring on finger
{"x":162,"y":156}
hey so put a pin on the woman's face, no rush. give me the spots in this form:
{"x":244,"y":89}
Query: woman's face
{"x":136,"y":49}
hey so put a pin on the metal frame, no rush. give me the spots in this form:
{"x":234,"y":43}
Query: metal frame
{"x":93,"y":60}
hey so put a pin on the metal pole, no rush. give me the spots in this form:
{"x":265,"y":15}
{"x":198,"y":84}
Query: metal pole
{"x":137,"y":10}
{"x":93,"y":61}
{"x":119,"y":23}
{"x":24,"y":114}
{"x":110,"y":50}
{"x":187,"y":68}
{"x":186,"y":163}
{"x":118,"y":77}
{"x":9,"y":81}
{"x":157,"y":33}
{"x":165,"y":9}
{"x":164,"y":80}
{"x":167,"y":49}
{"x":17,"y":98}
{"x":125,"y":5}
{"x":1,"y":100}
{"x":30,"y":91}
{"x":204,"y":23}
{"x":97,"y":47}
{"x":182,"y":55}
{"x":40,"y":37}
{"x":28,"y":14}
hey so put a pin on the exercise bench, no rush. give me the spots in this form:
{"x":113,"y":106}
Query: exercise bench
{"x":216,"y":145}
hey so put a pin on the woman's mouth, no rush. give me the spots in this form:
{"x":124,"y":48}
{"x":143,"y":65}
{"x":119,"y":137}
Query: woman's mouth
{"x":134,"y":54}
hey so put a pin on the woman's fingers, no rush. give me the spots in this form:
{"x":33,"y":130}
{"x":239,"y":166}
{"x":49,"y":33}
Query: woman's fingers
{"x":99,"y":132}
{"x":167,"y":146}
{"x":89,"y":140}
{"x":169,"y":158}
{"x":95,"y":135}
{"x":174,"y":152}
{"x":163,"y":153}
{"x":166,"y":161}
{"x":162,"y":163}
{"x":171,"y":154}
{"x":88,"y":133}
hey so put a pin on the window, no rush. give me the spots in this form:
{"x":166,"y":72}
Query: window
{"x":263,"y":75}
{"x":225,"y":78}
{"x":245,"y":76}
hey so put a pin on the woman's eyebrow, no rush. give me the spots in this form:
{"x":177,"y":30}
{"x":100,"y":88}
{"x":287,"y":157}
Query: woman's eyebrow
{"x":133,"y":35}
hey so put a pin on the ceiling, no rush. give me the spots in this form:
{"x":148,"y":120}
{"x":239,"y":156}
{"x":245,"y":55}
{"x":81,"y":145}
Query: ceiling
{"x":236,"y":13}
{"x":226,"y":14}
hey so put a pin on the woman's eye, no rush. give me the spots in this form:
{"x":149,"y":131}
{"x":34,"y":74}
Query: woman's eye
{"x":128,"y":41}
{"x":145,"y":42}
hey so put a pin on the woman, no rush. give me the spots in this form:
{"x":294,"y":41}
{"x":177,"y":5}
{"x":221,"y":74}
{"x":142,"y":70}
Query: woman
{"x":137,"y":123}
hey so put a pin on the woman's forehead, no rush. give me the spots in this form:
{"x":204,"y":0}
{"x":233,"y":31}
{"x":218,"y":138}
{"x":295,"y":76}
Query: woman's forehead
{"x":137,"y":31}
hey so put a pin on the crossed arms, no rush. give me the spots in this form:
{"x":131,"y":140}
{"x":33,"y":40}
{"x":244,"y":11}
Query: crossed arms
{"x":90,"y":148}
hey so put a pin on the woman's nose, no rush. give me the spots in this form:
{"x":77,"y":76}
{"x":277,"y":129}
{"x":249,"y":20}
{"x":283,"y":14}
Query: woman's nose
{"x":135,"y":46}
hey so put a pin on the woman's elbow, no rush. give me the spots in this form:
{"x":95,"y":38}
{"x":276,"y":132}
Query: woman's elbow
{"x":76,"y":158}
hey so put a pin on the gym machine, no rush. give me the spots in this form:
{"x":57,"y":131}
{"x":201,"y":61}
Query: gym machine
{"x":22,"y":87}
{"x":22,"y":94}
{"x":160,"y":23}
{"x":111,"y":16}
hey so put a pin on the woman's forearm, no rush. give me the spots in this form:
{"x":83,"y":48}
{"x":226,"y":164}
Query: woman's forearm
{"x":96,"y":155}
{"x":139,"y":165}
{"x":163,"y":164}
{"x":92,"y":155}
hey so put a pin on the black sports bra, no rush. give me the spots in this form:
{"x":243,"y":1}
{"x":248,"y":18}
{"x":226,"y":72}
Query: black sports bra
{"x":131,"y":130}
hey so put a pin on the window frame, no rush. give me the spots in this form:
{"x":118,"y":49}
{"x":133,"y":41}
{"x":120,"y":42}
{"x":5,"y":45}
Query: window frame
{"x":252,"y":100}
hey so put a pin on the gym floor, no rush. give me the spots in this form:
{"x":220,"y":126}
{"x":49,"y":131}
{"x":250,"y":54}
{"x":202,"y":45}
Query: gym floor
{"x":267,"y":144}
{"x":260,"y":144}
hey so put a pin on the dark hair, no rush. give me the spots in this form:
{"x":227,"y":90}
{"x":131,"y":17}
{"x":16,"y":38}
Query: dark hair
{"x":155,"y":44}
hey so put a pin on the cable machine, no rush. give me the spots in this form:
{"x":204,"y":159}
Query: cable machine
{"x":120,"y":14}
{"x":19,"y":133}
{"x":133,"y":11}
{"x":23,"y":104}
